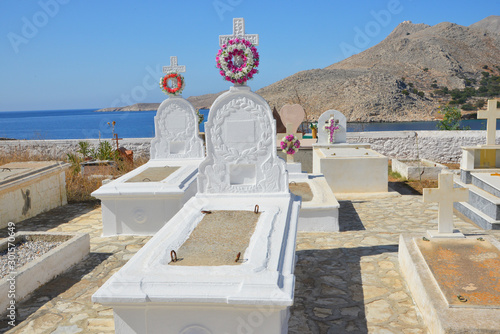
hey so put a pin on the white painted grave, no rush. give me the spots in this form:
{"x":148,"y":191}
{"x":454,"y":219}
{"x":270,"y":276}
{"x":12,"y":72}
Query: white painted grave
{"x":483,"y":156}
{"x":445,"y":195}
{"x":348,"y":168}
{"x":143,"y":200}
{"x":241,"y":174}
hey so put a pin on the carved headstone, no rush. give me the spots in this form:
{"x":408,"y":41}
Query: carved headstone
{"x":176,"y":131}
{"x":339,"y":134}
{"x":176,"y":126}
{"x":241,"y":147}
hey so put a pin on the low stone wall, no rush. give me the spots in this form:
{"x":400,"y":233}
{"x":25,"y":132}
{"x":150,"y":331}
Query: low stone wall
{"x":439,"y":146}
{"x":32,"y":195}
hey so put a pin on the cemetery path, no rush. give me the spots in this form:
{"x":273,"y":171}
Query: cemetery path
{"x":347,"y":281}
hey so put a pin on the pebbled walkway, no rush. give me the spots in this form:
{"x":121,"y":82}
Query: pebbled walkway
{"x":347,"y":282}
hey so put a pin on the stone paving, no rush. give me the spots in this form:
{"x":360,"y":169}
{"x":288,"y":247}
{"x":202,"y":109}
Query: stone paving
{"x":347,"y":281}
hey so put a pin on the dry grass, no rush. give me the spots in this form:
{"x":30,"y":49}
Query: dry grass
{"x":417,"y":185}
{"x":78,"y":187}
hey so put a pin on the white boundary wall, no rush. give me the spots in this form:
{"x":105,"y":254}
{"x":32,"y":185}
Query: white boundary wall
{"x":438,"y":146}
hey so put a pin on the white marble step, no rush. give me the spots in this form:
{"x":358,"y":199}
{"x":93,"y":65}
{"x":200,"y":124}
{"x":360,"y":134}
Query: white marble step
{"x":482,"y":208}
{"x":487,"y":182}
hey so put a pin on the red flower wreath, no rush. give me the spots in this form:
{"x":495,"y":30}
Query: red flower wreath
{"x":176,"y":77}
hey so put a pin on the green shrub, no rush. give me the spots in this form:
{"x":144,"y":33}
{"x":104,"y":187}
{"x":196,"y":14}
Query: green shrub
{"x":468,"y":107}
{"x":451,"y":118}
{"x":405,"y":92}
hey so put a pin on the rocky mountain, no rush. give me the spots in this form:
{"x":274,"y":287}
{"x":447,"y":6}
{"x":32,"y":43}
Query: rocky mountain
{"x":395,"y":79}
{"x":491,"y":24}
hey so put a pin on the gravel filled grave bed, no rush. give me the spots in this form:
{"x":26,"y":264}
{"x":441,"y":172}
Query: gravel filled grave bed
{"x":24,"y":252}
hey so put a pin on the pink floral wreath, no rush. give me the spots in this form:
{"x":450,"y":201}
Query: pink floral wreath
{"x":237,"y":60}
{"x":290,"y":144}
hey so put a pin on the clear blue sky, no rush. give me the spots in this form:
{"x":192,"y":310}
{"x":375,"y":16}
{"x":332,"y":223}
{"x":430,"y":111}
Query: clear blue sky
{"x":76,"y":54}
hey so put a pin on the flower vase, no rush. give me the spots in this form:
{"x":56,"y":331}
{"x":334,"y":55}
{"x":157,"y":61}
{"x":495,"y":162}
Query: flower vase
{"x":314,"y":133}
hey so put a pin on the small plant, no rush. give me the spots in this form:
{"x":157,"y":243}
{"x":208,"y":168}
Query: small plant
{"x":480,"y":103}
{"x":313,"y":125}
{"x":201,"y":117}
{"x":410,"y":84}
{"x":421,"y":94}
{"x":468,"y":107}
{"x":485,"y":67}
{"x":104,"y":151}
{"x":426,"y":69}
{"x":84,"y":149}
{"x":112,"y":126}
{"x":74,"y":160}
{"x":405,"y":92}
{"x":451,"y":119}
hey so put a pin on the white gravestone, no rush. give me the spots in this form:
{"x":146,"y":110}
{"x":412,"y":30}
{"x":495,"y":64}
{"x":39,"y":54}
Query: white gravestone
{"x":348,"y":168}
{"x":241,"y":170}
{"x":339,"y":134}
{"x":445,"y":195}
{"x":143,"y":200}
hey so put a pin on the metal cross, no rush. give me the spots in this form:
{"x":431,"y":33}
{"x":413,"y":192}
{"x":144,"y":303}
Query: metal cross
{"x":491,"y":114}
{"x":239,"y":31}
{"x":174,"y":67}
{"x":445,"y":195}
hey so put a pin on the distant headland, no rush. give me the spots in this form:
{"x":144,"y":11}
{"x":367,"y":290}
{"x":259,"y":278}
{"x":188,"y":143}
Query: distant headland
{"x":134,"y":107}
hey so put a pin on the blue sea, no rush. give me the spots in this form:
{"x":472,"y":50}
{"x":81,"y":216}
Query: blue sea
{"x":87,"y":124}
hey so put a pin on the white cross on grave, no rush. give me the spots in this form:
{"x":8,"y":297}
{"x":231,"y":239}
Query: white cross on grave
{"x":239,"y":32}
{"x":445,"y":195}
{"x":490,"y":114}
{"x":174,"y":68}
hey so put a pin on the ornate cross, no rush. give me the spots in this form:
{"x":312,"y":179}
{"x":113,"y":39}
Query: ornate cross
{"x":445,"y":195}
{"x":331,"y":128}
{"x":239,"y":31}
{"x":174,"y":67}
{"x":490,"y":114}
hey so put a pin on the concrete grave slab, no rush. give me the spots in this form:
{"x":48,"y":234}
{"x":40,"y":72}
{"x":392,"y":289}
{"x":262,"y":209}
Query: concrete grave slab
{"x":73,"y":249}
{"x":427,"y":294}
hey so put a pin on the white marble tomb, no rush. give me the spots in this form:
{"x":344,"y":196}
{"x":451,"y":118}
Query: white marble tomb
{"x":241,"y":174}
{"x":348,"y":168}
{"x":143,"y":200}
